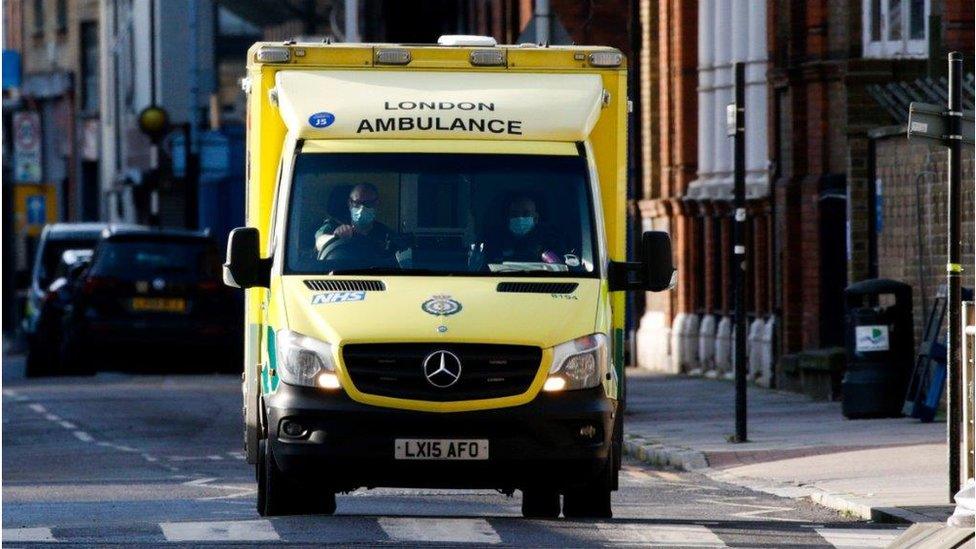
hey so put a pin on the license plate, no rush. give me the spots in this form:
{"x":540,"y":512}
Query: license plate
{"x":162,"y":304}
{"x":440,"y":449}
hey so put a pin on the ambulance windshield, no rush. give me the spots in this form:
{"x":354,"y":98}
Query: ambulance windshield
{"x":441,"y":214}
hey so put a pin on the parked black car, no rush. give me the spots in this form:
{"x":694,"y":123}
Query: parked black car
{"x":151,"y":295}
{"x":45,"y":352}
{"x":54,"y":241}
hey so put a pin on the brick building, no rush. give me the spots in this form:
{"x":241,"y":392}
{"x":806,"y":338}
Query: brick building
{"x":809,"y":66}
{"x":910,"y":219}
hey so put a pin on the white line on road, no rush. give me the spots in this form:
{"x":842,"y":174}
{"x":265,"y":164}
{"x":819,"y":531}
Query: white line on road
{"x":67,"y":424}
{"x":434,"y":530}
{"x":660,"y":535}
{"x":82,"y":436}
{"x":25,"y":535}
{"x":119,"y":447}
{"x":52,"y":417}
{"x":37,"y":408}
{"x":858,"y":538}
{"x":243,"y":530}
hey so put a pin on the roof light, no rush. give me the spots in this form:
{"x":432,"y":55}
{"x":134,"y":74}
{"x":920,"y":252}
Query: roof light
{"x":606,"y":58}
{"x":487,"y":58}
{"x":273,"y":54}
{"x":392,"y":57}
{"x":466,"y":40}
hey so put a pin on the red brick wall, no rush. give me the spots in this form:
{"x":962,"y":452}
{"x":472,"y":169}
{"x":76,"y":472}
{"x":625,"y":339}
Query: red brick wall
{"x":677,"y":38}
{"x":913,"y":183}
{"x":602,"y":23}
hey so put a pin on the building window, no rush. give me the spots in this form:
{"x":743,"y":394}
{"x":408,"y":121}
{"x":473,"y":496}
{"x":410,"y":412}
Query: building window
{"x":895,"y":28}
{"x":38,"y":17}
{"x":62,"y":13}
{"x":89,"y":67}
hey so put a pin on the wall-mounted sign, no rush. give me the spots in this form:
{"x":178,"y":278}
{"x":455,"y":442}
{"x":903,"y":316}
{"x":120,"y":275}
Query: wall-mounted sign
{"x":27,"y":147}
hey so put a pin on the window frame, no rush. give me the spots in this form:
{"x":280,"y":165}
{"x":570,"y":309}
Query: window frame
{"x":902,"y":48}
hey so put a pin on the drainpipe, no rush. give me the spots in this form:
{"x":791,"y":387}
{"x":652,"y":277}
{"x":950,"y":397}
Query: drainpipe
{"x":352,"y":21}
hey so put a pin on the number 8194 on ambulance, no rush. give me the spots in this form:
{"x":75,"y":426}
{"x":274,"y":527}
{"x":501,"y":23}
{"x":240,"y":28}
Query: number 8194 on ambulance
{"x":434,"y":264}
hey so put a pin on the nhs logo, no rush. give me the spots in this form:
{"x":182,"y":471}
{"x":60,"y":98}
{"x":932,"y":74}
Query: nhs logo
{"x":337,"y":297}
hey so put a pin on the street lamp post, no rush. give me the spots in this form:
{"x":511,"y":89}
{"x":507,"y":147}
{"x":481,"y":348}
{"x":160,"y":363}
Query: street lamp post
{"x":736,"y":128}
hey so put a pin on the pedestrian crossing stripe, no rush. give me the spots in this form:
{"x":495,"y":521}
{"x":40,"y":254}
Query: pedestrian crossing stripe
{"x":26,"y":535}
{"x":660,"y":535}
{"x":242,"y":530}
{"x":475,"y":531}
{"x":859,"y":538}
{"x":438,"y":530}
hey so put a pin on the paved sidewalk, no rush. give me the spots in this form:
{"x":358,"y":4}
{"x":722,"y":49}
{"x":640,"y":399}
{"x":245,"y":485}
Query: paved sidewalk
{"x":881,"y":469}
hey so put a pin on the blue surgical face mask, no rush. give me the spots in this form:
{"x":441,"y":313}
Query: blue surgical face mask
{"x":362,"y":216}
{"x":521,"y":225}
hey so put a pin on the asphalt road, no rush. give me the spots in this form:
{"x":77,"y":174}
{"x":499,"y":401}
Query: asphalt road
{"x":126,"y":459}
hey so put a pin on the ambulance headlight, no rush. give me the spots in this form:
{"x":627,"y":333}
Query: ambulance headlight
{"x":579,"y":364}
{"x":305,"y":361}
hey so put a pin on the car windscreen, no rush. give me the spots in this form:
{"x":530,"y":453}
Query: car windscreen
{"x":51,"y":256}
{"x":181,"y":260}
{"x":441,"y":214}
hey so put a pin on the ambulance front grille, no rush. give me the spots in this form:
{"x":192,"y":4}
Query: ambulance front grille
{"x":397,"y":370}
{"x":343,"y":285}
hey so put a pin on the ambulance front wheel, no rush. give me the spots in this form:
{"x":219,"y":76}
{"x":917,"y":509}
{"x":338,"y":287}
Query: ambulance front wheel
{"x":279,"y":495}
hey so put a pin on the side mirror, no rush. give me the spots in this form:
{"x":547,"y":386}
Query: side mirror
{"x":244,"y":267}
{"x":653,"y":273}
{"x":657,"y":262}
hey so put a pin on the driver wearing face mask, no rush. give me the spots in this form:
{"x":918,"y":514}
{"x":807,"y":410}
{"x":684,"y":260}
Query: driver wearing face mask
{"x":526,"y":238}
{"x":363,"y":201}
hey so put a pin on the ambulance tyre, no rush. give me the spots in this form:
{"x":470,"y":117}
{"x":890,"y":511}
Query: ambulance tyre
{"x":278,"y":495}
{"x":540,"y":503}
{"x":593,"y":499}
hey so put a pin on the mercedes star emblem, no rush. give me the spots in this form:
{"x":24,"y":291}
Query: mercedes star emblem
{"x":442,"y":369}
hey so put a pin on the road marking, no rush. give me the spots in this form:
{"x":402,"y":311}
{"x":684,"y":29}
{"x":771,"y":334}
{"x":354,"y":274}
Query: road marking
{"x":755,"y":510}
{"x":82,"y":436}
{"x":433,"y":530}
{"x":660,"y":535}
{"x":241,"y":530}
{"x":119,"y":447}
{"x":52,"y":417}
{"x":37,"y":408}
{"x":858,"y":538}
{"x":67,"y":424}
{"x":24,"y":535}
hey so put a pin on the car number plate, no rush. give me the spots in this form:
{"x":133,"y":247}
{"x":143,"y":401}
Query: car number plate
{"x":164,"y":304}
{"x":412,"y":448}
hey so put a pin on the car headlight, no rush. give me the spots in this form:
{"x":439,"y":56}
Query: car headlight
{"x":578,"y":364}
{"x":305,"y":361}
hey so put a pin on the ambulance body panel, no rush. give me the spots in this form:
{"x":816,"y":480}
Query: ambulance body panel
{"x":444,"y":351}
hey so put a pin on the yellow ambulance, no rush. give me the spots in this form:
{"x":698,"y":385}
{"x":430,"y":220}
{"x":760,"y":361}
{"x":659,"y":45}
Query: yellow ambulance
{"x":434,"y":260}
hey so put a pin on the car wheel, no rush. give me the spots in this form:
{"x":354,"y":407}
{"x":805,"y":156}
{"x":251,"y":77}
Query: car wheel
{"x":540,"y":503}
{"x":74,"y":358}
{"x":593,"y":499}
{"x":278,"y":495}
{"x":37,"y":363}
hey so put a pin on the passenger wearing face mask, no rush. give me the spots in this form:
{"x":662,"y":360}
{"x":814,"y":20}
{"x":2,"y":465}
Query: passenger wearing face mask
{"x":363,"y":202}
{"x":525,"y":238}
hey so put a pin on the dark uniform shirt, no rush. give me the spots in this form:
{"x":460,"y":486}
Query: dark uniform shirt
{"x":382,"y":236}
{"x":530,"y":247}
